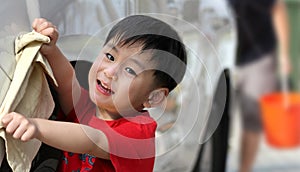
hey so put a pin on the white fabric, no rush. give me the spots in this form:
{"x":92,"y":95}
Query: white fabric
{"x":28,"y":93}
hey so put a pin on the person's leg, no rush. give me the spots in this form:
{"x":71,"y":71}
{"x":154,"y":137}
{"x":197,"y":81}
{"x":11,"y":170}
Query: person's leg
{"x":251,"y":133}
{"x":258,"y":78}
{"x":249,"y":147}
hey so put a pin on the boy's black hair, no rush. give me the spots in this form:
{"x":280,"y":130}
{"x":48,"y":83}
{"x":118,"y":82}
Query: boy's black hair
{"x":169,"y":52}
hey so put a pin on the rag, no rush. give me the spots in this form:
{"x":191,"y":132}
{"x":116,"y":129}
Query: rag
{"x":25,"y":90}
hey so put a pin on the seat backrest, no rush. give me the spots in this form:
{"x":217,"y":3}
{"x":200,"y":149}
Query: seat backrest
{"x":82,"y":68}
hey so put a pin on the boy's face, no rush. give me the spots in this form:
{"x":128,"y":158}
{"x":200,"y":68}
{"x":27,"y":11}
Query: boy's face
{"x":120,"y":80}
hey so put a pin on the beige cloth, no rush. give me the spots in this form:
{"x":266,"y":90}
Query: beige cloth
{"x":28,"y":93}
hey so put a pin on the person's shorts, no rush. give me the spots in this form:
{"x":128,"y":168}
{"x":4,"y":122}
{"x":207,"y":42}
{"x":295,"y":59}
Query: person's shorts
{"x":254,"y":80}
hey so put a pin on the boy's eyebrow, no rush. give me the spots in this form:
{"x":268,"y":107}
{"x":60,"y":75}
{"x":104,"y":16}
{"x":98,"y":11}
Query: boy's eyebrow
{"x":112,"y":46}
{"x":141,"y":65}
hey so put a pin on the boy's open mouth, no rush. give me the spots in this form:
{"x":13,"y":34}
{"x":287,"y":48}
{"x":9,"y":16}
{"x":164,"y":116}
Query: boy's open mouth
{"x":103,"y":88}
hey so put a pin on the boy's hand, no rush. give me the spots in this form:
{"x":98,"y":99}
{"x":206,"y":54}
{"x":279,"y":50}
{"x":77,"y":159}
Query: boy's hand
{"x":46,"y":28}
{"x":19,"y":126}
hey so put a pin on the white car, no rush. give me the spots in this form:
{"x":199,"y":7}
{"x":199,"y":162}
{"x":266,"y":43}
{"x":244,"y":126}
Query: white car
{"x":192,"y":134}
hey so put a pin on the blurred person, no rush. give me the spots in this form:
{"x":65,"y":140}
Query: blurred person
{"x":263,"y":35}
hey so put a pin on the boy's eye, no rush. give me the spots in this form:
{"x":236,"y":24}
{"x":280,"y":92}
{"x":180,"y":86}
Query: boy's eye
{"x":130,"y":71}
{"x":110,"y":57}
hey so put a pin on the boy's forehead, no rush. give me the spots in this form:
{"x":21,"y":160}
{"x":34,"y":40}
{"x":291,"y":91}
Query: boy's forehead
{"x":121,"y":44}
{"x":131,"y":49}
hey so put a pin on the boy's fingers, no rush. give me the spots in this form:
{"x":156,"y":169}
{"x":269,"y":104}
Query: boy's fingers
{"x":19,"y":131}
{"x":44,"y":25}
{"x":16,"y":125}
{"x":40,"y":24}
{"x":6,"y":119}
{"x":12,"y":121}
{"x":37,"y":22}
{"x":51,"y":32}
{"x":28,"y":134}
{"x":11,"y":127}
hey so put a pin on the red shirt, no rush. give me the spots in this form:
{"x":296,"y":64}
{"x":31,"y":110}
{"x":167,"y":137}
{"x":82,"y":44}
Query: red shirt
{"x":131,"y":141}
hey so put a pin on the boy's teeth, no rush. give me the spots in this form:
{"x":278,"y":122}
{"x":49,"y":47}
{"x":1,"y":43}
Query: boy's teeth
{"x":105,"y":86}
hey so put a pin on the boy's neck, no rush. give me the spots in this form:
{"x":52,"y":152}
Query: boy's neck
{"x":105,"y":115}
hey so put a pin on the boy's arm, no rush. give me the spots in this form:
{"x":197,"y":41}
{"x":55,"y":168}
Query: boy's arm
{"x":71,"y":137}
{"x":68,"y":87}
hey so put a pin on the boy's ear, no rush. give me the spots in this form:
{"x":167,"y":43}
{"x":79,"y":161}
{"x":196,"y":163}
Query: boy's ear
{"x":156,"y":97}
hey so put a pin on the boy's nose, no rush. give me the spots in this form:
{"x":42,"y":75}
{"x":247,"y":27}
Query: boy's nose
{"x":113,"y":77}
{"x":111,"y":72}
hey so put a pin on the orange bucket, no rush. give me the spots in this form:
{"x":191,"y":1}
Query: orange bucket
{"x":280,"y":117}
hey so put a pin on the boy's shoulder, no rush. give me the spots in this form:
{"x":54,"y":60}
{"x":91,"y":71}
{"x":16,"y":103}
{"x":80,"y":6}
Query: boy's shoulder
{"x":137,"y":126}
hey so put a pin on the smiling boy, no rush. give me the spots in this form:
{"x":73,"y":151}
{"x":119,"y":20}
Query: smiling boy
{"x":107,"y":127}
